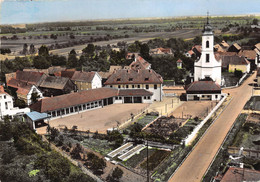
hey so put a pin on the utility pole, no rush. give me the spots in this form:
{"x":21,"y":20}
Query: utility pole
{"x":147,"y":160}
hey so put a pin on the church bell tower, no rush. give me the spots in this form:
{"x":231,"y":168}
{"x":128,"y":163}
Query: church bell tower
{"x":207,"y":66}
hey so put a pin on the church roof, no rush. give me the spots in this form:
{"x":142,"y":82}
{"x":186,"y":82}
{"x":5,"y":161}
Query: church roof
{"x":204,"y":86}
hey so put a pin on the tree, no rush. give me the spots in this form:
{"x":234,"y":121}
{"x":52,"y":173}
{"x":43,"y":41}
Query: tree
{"x":43,"y":51}
{"x":72,"y":60}
{"x":89,"y":50}
{"x":144,"y":51}
{"x":255,"y":21}
{"x":25,"y":49}
{"x":75,"y":153}
{"x":32,"y":49}
{"x":34,"y":97}
{"x":41,"y":62}
{"x":197,"y":40}
{"x":117,"y":174}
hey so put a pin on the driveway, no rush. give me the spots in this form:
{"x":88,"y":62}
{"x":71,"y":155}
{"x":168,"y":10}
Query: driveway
{"x":196,"y":164}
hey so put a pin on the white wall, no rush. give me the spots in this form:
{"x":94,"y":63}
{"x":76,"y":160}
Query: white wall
{"x":211,"y":68}
{"x":211,"y":96}
{"x":29,"y":95}
{"x":5,"y":100}
{"x":97,"y":81}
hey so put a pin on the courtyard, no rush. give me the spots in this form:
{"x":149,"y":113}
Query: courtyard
{"x":99,"y":119}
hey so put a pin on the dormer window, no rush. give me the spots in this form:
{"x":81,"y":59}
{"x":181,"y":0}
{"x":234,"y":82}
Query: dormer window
{"x":119,"y":79}
{"x":146,"y":79}
{"x":130,"y":79}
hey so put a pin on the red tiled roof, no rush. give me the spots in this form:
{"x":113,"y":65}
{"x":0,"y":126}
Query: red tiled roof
{"x":249,"y":54}
{"x":197,"y":47}
{"x":234,"y":60}
{"x":179,"y":61}
{"x":257,"y":46}
{"x":224,"y":44}
{"x":54,"y":82}
{"x":203,"y":86}
{"x":113,"y":68}
{"x":83,"y":76}
{"x":235,"y":174}
{"x":73,"y":99}
{"x":2,"y":91}
{"x":30,"y":76}
{"x":134,"y":77}
{"x":161,"y":50}
{"x":134,"y":92}
{"x":139,"y":63}
{"x":67,"y":74}
{"x":79,"y":75}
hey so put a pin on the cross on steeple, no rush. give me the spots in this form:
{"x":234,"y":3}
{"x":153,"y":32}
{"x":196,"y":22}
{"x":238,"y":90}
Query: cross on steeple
{"x":207,"y":17}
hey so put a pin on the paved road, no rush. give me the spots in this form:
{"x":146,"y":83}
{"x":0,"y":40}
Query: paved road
{"x":196,"y":164}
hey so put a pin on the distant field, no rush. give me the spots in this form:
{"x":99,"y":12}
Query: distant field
{"x":116,"y":30}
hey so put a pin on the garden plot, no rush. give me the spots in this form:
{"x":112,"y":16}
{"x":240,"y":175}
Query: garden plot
{"x":164,"y":126}
{"x":101,"y":146}
{"x":253,"y":103}
{"x":249,"y":134}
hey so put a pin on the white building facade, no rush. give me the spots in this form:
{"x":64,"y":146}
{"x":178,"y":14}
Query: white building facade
{"x":207,"y":66}
{"x":6,"y":105}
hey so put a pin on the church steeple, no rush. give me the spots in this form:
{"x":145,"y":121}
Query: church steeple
{"x":207,"y":27}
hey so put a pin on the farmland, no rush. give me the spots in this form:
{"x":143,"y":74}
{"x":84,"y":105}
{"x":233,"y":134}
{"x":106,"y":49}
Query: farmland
{"x":59,"y":35}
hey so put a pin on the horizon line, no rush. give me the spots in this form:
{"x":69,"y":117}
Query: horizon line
{"x":138,"y":18}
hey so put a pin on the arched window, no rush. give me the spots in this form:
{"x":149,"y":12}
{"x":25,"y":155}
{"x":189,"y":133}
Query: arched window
{"x":207,"y":44}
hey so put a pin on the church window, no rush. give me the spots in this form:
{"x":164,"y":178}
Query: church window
{"x":207,"y":58}
{"x":207,"y":44}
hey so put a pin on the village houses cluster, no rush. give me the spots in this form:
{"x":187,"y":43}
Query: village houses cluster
{"x":60,"y":92}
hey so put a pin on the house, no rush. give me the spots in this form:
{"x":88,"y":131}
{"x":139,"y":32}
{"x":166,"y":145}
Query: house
{"x":24,"y":82}
{"x":139,"y":63}
{"x":76,"y":102}
{"x":203,"y":90}
{"x":218,"y":48}
{"x":232,"y":63}
{"x":25,"y":87}
{"x":224,"y":45}
{"x":179,"y":63}
{"x":6,"y":105}
{"x":234,"y":48}
{"x":236,"y":174}
{"x":251,"y":56}
{"x":189,"y":53}
{"x":160,"y":51}
{"x":84,"y":80}
{"x":53,"y":86}
{"x":146,"y":79}
{"x":197,"y":50}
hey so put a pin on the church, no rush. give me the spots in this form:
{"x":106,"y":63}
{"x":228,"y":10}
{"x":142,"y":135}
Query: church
{"x":207,"y":70}
{"x":208,"y":67}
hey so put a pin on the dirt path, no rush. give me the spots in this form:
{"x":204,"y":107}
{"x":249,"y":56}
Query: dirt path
{"x":196,"y":164}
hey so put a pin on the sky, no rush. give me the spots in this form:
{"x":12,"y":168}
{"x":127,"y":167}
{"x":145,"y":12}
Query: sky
{"x":32,"y":11}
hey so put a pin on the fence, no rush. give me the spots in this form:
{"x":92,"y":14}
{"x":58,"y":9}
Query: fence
{"x":197,"y":128}
{"x":246,"y":152}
